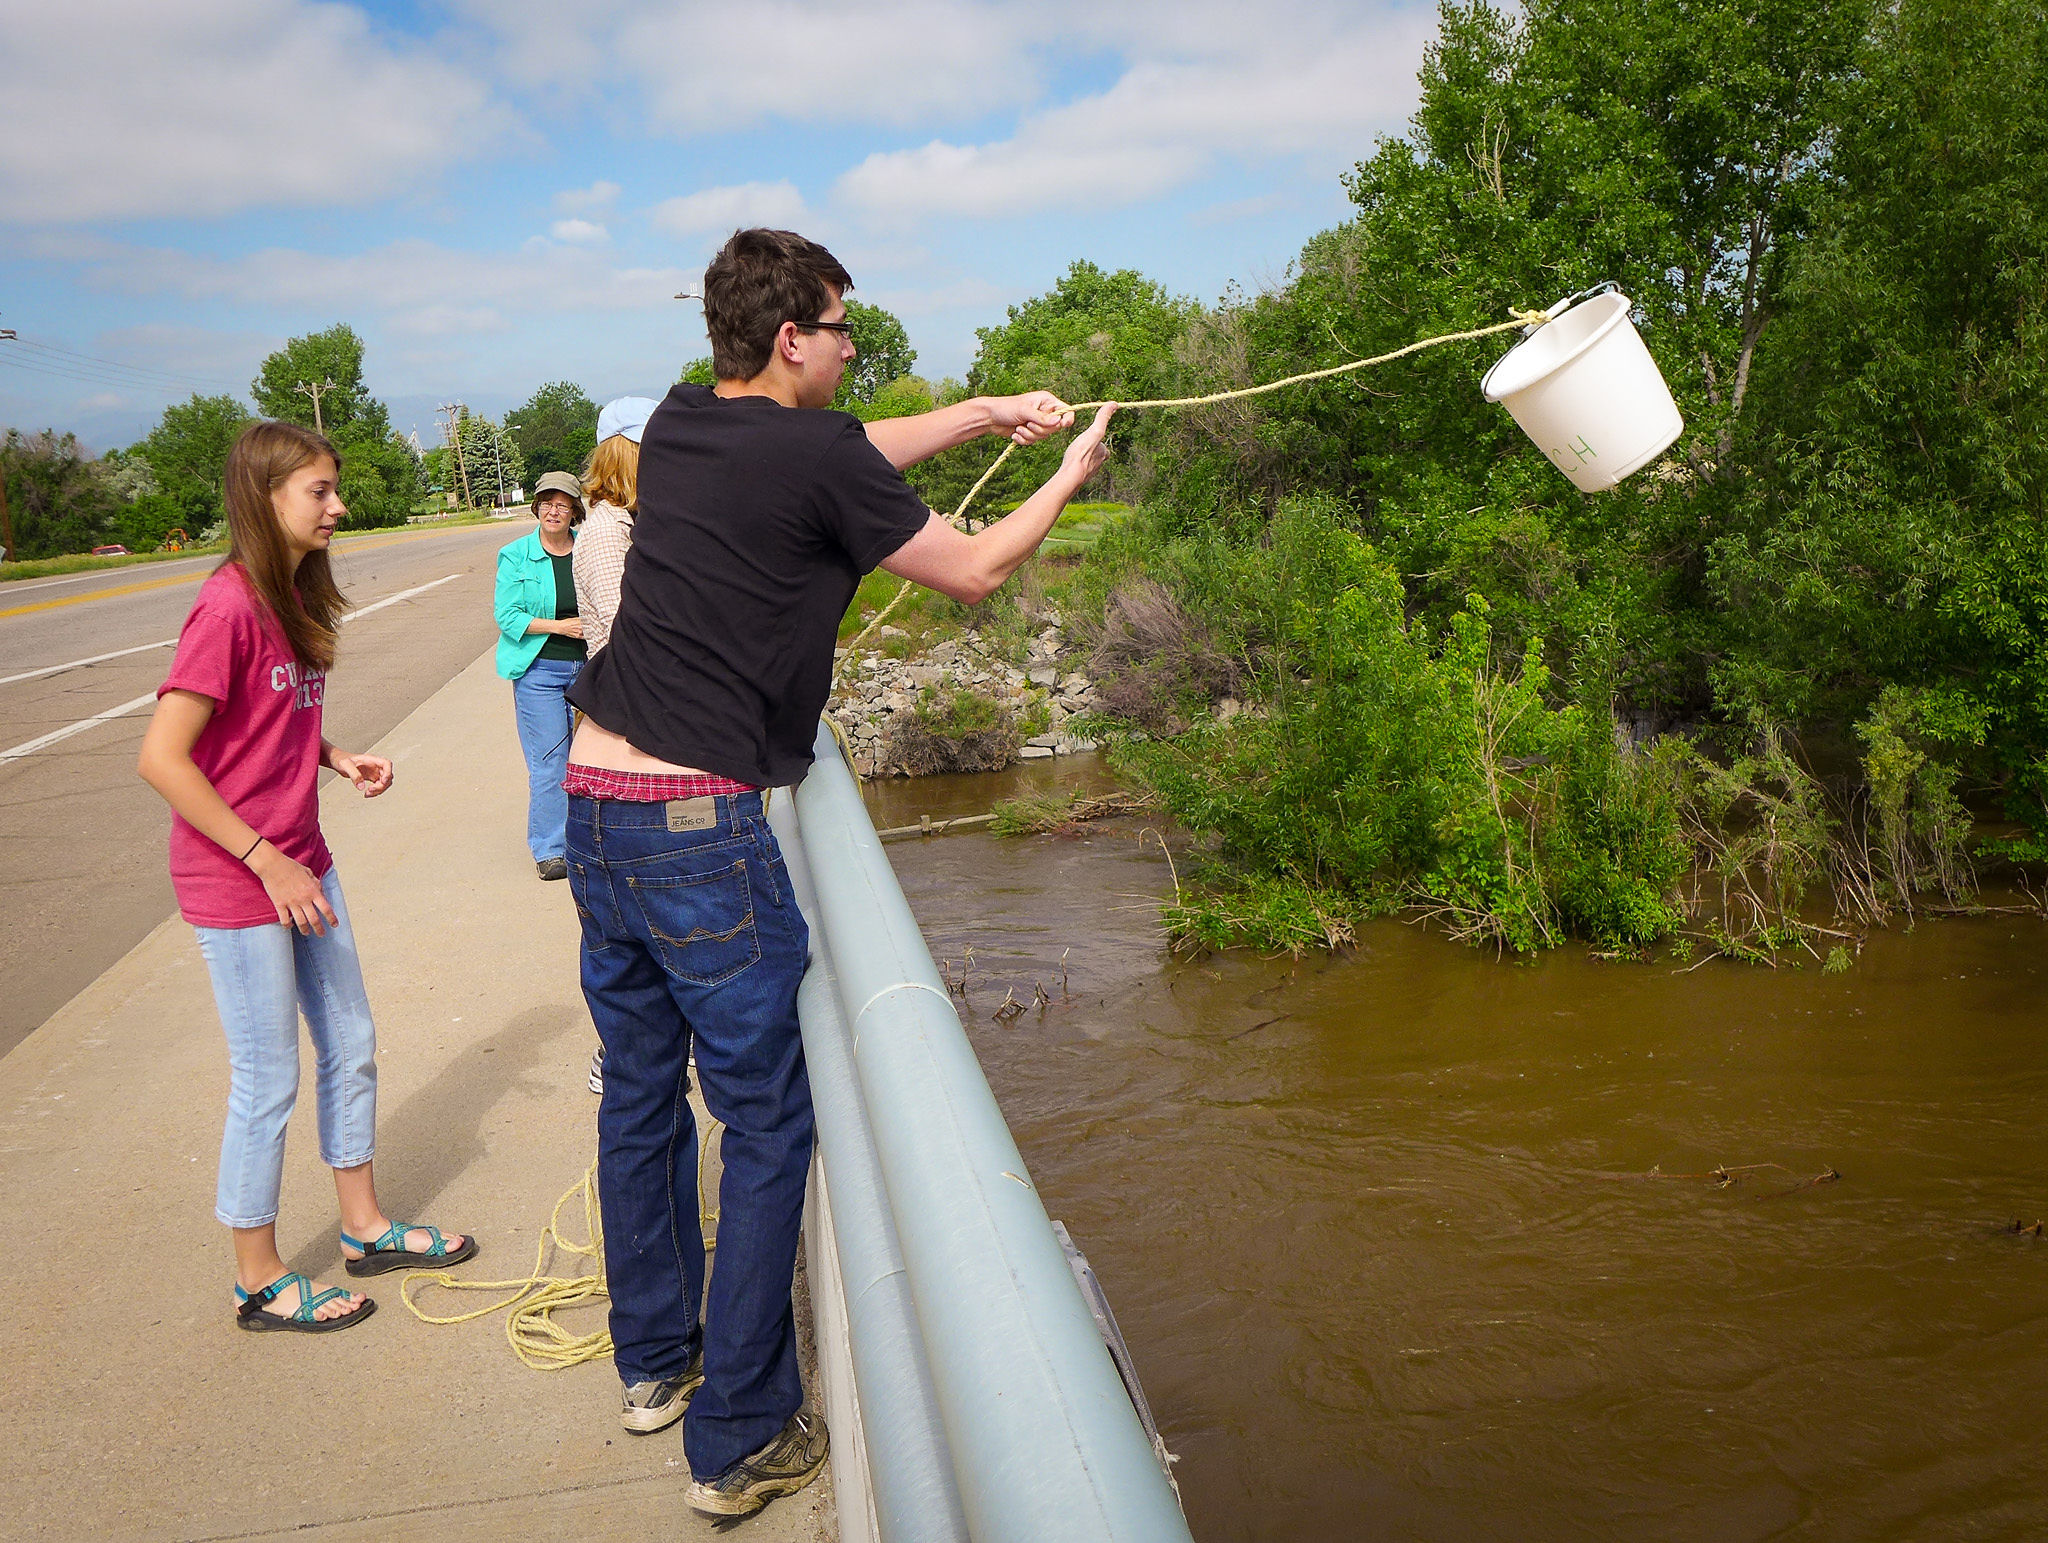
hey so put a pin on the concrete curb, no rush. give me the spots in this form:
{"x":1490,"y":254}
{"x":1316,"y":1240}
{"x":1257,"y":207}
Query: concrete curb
{"x":138,"y":1410}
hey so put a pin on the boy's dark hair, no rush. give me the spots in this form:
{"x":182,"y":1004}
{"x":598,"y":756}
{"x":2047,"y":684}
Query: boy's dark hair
{"x":759,"y":280}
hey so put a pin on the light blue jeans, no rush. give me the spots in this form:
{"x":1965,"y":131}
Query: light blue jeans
{"x":540,"y":701}
{"x":263,"y":977}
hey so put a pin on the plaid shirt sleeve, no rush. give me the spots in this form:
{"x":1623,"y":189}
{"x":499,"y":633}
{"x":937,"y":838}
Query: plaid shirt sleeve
{"x":600,"y":565}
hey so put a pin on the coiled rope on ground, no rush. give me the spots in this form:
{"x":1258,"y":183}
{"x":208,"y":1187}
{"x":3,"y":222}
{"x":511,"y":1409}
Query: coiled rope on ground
{"x":536,"y":1338}
{"x":1517,"y":318}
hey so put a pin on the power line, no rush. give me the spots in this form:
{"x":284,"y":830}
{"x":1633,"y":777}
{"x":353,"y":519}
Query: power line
{"x":456,"y":412}
{"x":93,"y":375}
{"x":73,"y":357}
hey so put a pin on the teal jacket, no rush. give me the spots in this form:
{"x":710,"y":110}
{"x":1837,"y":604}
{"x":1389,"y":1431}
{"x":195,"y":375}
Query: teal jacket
{"x":526,"y":590}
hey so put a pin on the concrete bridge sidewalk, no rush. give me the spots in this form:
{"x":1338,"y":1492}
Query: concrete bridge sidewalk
{"x":135,"y":1409}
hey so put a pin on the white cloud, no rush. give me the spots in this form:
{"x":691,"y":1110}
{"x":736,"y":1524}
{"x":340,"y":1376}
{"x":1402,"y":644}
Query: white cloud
{"x":578,"y":232}
{"x":710,"y":65}
{"x":595,"y":199}
{"x":127,"y":109}
{"x":414,"y":286}
{"x":721,"y":210}
{"x":898,"y":62}
{"x":1237,"y":91}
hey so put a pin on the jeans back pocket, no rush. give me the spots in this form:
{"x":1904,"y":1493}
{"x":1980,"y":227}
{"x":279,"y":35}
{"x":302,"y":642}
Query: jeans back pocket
{"x":702,"y":925}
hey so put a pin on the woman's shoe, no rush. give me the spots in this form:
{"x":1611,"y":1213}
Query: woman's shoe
{"x":252,"y":1308}
{"x":390,"y":1253}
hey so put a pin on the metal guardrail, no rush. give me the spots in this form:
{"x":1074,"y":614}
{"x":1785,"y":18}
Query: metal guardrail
{"x":989,"y":1406}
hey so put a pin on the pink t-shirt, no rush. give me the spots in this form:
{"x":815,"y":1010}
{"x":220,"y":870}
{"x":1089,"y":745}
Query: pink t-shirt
{"x":260,"y":750}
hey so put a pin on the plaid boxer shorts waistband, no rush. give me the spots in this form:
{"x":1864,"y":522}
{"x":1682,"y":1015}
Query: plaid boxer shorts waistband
{"x":647,"y":787}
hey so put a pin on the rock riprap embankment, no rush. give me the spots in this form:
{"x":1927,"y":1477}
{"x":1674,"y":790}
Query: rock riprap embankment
{"x":878,"y":698}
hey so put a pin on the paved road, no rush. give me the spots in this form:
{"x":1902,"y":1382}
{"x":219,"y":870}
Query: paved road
{"x":82,"y":874}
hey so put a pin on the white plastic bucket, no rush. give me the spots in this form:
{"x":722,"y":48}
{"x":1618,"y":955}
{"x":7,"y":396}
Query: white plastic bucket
{"x":1586,"y":390}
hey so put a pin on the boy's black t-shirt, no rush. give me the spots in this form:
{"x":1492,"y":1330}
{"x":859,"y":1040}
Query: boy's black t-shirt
{"x":756,"y":523}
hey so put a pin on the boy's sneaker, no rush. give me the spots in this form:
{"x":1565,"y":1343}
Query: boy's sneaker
{"x":597,"y":1071}
{"x":653,"y":1406}
{"x":782,"y":1467}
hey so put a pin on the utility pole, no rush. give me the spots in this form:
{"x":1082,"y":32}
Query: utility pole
{"x":456,"y":412}
{"x":313,"y":390}
{"x":6,"y":519}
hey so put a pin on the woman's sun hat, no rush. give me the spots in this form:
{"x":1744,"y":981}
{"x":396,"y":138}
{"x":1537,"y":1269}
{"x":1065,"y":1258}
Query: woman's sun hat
{"x":625,"y":415}
{"x":560,"y":482}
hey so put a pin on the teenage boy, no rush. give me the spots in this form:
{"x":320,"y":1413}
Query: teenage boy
{"x":759,"y":513}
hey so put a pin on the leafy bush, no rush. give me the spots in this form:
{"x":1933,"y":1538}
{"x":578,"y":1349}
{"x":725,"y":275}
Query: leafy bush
{"x":951,"y":731}
{"x":1386,"y":766}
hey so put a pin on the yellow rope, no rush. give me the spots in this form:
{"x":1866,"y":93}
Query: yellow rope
{"x":1517,"y":318}
{"x":530,"y":1327}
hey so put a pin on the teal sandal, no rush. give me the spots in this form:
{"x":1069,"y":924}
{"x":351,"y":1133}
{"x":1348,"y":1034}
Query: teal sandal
{"x":390,"y":1253}
{"x":250,"y":1305}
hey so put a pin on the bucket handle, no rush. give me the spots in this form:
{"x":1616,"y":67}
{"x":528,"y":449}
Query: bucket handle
{"x":1605,"y":286}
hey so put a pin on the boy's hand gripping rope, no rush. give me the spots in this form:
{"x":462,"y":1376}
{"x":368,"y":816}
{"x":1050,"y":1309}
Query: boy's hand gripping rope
{"x":1518,"y":319}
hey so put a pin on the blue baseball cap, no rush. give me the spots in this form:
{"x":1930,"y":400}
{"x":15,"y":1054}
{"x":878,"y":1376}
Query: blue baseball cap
{"x":625,"y":415}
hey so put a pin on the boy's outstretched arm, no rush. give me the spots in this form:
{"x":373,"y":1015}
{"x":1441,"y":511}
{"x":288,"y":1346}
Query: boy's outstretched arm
{"x":1026,"y":419}
{"x":971,"y":568}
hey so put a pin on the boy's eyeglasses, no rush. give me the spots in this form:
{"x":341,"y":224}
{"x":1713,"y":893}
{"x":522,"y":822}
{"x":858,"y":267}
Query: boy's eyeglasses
{"x":843,"y":328}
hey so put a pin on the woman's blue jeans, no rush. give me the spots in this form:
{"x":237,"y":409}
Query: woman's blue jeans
{"x":693,"y":934}
{"x":540,"y":701}
{"x":263,"y":978}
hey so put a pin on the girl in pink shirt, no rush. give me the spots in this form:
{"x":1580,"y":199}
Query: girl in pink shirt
{"x":235,"y":749}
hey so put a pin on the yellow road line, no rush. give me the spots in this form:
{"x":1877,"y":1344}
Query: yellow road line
{"x":103,"y":594}
{"x":356,"y":544}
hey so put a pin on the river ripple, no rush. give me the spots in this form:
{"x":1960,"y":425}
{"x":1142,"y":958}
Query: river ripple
{"x":1377,"y":1232}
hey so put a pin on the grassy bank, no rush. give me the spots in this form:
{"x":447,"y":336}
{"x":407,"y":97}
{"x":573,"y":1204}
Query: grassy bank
{"x":49,"y":567}
{"x":1043,"y":587}
{"x":85,"y":562}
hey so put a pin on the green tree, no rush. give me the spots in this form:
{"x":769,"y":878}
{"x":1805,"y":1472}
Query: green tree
{"x":899,"y":398}
{"x":336,"y":356}
{"x":379,"y":474}
{"x":1673,"y":146}
{"x":882,"y":353}
{"x":1095,"y":335}
{"x":490,"y":460}
{"x":1895,"y":533}
{"x":698,"y":372}
{"x":188,"y":453}
{"x":555,"y":429}
{"x":58,"y":501}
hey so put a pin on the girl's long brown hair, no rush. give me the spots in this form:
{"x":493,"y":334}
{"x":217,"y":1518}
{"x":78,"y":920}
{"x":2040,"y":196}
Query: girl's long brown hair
{"x":307,"y":605}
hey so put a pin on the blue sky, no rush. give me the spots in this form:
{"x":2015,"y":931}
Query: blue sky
{"x":498,"y":193}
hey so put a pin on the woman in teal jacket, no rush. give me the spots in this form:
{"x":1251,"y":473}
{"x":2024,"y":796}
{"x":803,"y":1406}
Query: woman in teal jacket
{"x":540,"y":650}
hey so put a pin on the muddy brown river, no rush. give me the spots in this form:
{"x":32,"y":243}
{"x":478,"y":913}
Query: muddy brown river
{"x":1414,"y":1244}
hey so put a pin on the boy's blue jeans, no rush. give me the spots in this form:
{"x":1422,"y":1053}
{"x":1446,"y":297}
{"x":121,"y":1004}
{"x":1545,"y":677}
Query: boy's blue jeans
{"x":694,"y":934}
{"x":540,"y":702}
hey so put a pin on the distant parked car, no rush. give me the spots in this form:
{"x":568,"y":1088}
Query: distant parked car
{"x":116,"y":550}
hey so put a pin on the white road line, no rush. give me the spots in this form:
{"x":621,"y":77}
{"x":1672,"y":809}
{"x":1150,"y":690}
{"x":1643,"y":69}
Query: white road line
{"x":30,"y":747}
{"x":403,"y":594}
{"x":76,"y":664}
